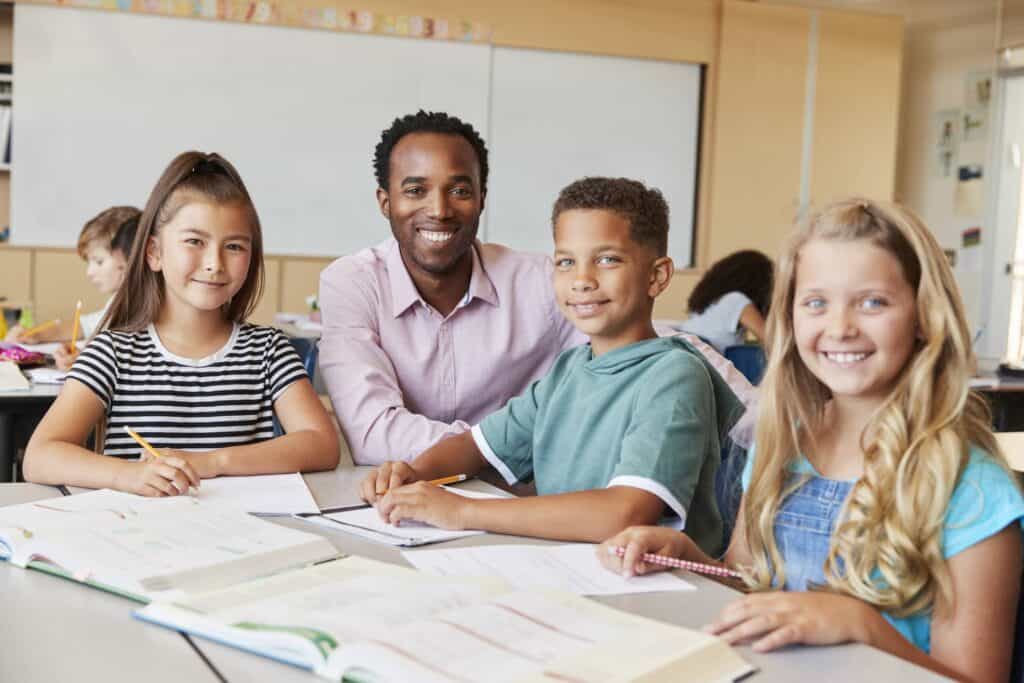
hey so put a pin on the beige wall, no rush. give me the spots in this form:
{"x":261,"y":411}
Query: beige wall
{"x":937,"y":58}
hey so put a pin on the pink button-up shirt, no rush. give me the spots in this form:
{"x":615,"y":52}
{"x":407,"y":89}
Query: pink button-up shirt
{"x":401,"y":376}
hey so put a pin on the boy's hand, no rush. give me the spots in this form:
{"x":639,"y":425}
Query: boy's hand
{"x":423,"y":502}
{"x":389,"y":475}
{"x":63,"y":357}
{"x":168,"y":476}
{"x":775,"y":619}
{"x":638,"y":540}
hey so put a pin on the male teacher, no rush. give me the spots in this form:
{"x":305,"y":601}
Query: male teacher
{"x":428,"y":332}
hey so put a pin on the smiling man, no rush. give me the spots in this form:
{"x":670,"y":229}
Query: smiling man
{"x":428,"y":332}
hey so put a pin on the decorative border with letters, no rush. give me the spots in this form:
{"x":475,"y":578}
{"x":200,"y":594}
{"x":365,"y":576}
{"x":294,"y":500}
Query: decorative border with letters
{"x":296,"y":13}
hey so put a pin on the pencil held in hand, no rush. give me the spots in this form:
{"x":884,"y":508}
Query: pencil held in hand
{"x":675,"y":563}
{"x":444,"y":481}
{"x":74,"y":329}
{"x":39,"y":328}
{"x":142,"y":442}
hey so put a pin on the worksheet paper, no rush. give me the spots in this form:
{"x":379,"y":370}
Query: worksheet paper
{"x":367,"y":523}
{"x":266,"y":494}
{"x":569,"y":568}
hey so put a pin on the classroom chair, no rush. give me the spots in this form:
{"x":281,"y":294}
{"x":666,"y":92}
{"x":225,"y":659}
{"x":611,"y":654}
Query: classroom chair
{"x":748,"y":359}
{"x":308,"y":353}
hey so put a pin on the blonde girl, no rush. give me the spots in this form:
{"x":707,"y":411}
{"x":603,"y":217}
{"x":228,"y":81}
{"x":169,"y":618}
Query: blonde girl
{"x":177,"y":362}
{"x":875,"y":497}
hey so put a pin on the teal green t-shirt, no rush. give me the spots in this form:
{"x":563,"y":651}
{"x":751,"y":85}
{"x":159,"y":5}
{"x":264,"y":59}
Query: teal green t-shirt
{"x":649,"y":415}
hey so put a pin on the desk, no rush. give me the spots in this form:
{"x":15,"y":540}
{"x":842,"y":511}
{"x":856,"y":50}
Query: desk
{"x":166,"y":654}
{"x":1006,"y":398}
{"x":55,"y":630}
{"x":21,"y":411}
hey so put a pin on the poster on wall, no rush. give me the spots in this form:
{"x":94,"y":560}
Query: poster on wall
{"x":978,"y":91}
{"x":969,"y":197}
{"x":947,"y":140}
{"x":975,"y":124}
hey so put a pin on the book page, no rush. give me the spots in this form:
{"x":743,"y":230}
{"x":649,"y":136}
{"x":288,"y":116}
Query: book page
{"x":268,"y":494}
{"x":571,"y":568}
{"x":151,"y":545}
{"x":539,"y":636}
{"x":303,"y":615}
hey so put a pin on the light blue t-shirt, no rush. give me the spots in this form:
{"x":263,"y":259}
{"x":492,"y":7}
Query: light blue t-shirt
{"x":984,"y":502}
{"x":719,"y":323}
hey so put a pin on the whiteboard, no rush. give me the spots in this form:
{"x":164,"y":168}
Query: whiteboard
{"x":104,"y":100}
{"x":556,"y":117}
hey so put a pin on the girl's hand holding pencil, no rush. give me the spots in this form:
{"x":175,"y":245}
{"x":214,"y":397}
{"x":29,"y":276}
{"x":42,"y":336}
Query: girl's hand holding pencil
{"x":157,"y":474}
{"x":644,"y":549}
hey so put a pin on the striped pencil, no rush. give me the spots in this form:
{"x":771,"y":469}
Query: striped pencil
{"x":698,"y":567}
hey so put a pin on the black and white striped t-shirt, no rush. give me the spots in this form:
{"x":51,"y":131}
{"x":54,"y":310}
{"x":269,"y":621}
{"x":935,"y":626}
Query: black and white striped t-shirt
{"x":195,"y":405}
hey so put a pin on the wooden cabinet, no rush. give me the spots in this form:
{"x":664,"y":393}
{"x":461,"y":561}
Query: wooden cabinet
{"x":807,"y":111}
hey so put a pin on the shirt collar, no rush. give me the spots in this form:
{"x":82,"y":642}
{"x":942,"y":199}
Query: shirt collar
{"x":404,"y":293}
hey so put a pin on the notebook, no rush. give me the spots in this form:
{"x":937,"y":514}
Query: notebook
{"x":11,"y":378}
{"x":360,"y":620}
{"x":149,"y":548}
{"x":366,"y":522}
{"x":46,"y":375}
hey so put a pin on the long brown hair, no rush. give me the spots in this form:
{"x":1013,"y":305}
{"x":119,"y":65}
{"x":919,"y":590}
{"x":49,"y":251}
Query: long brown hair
{"x":915,"y":446}
{"x":190,"y":177}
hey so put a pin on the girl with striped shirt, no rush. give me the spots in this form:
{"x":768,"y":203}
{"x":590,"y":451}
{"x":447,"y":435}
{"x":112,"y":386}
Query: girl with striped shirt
{"x":177,"y":362}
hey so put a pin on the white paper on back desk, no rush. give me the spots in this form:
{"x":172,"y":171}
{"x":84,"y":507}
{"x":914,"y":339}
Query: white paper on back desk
{"x":266,"y":494}
{"x":571,"y":568}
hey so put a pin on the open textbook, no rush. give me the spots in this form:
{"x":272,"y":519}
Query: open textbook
{"x":359,"y":620}
{"x":149,"y":548}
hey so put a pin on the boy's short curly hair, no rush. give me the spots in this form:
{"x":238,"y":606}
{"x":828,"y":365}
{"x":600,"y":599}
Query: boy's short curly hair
{"x":426,"y":122}
{"x":102,"y":228}
{"x":644,"y":207}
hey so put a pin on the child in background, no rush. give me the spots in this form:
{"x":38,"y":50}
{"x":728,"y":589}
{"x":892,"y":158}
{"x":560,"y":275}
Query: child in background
{"x":875,"y":493}
{"x":176,"y":361}
{"x":622,"y":429}
{"x":104,"y":244}
{"x":732,"y":297}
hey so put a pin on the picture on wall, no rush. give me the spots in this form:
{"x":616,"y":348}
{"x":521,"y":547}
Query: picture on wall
{"x":978,"y":91}
{"x":947,"y":140}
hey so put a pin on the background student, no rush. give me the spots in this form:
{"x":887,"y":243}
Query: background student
{"x":732,"y":297}
{"x":104,"y":244}
{"x":875,"y":486}
{"x":624,"y":428}
{"x":177,"y":362}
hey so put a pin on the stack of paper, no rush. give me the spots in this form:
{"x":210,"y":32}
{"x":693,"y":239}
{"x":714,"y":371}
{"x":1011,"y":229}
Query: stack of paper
{"x":11,"y":378}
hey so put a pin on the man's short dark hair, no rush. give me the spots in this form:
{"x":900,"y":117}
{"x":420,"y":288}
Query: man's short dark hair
{"x":645,"y":208}
{"x":426,"y":122}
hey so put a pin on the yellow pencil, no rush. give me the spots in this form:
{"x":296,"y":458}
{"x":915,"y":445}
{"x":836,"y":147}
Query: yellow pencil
{"x":149,"y":449}
{"x":142,"y":442}
{"x":455,"y":478}
{"x":39,"y":328}
{"x":74,"y":332}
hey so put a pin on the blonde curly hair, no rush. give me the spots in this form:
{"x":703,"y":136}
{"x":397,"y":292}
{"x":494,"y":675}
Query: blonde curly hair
{"x":886,"y":548}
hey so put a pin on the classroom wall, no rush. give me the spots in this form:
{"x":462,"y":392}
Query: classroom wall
{"x":6,"y":48}
{"x":938,"y":56}
{"x":685,"y":30}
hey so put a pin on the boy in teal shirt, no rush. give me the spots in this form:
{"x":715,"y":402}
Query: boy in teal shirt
{"x":623,"y":429}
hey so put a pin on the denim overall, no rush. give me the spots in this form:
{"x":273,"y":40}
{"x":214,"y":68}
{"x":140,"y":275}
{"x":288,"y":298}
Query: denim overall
{"x":803,"y":528}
